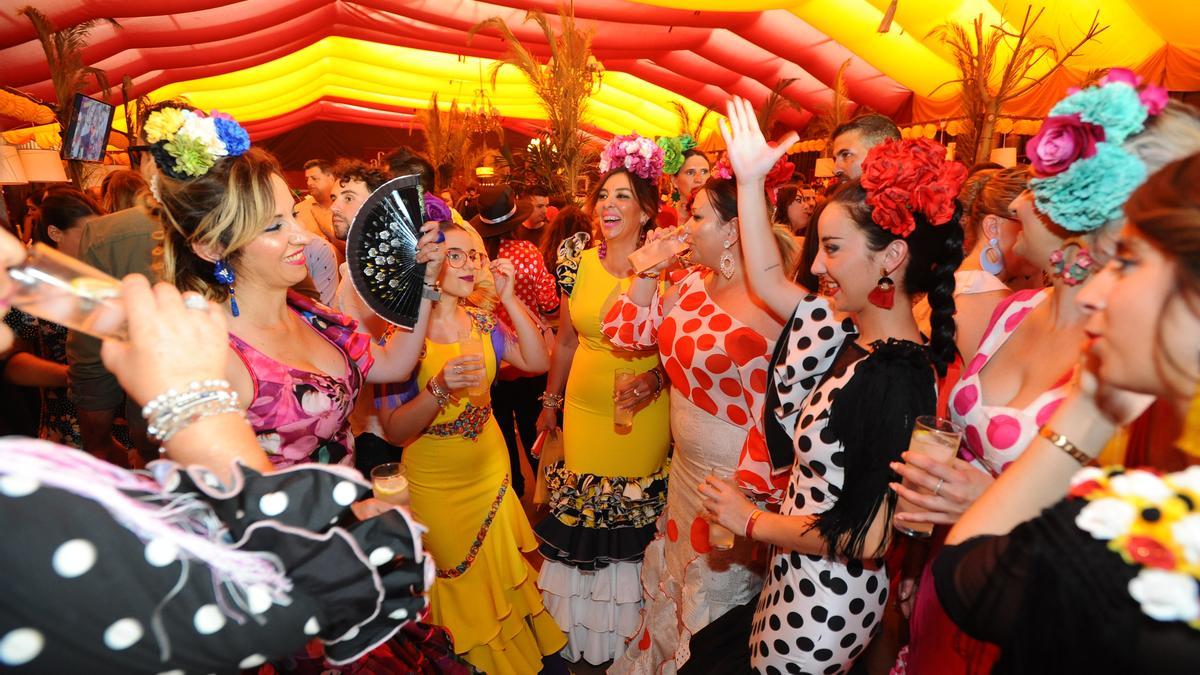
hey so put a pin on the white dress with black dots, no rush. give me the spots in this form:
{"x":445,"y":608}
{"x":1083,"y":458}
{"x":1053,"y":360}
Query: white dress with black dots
{"x":815,"y":614}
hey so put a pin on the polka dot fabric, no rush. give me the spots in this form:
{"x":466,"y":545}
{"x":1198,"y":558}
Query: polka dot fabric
{"x":143,"y":596}
{"x":714,"y":360}
{"x":814,"y":614}
{"x":536,"y":286}
{"x":998,"y":433}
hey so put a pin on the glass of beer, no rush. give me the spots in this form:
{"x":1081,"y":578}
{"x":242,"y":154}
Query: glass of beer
{"x":54,"y":286}
{"x":719,"y":536}
{"x":935,"y":437}
{"x":622,"y":416}
{"x":390,"y":482}
{"x":471,"y":344}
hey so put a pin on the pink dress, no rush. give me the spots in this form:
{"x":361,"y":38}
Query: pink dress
{"x":300,"y":416}
{"x":994,"y":436}
{"x":717,"y":367}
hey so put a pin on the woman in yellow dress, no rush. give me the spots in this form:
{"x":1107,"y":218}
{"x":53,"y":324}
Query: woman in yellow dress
{"x":608,"y":492}
{"x":457,"y":467}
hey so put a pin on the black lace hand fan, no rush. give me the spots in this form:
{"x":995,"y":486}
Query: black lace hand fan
{"x":381,"y":250}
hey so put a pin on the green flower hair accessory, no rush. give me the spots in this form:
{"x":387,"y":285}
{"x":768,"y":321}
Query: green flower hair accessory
{"x":686,"y":142}
{"x":191,"y":154}
{"x":673,"y":148}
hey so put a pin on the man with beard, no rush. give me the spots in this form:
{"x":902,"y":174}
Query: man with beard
{"x":851,"y":141}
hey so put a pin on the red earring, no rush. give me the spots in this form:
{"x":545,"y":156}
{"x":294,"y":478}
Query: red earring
{"x":884,"y":293}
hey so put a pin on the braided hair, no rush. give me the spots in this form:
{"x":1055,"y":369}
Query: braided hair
{"x":934,"y":254}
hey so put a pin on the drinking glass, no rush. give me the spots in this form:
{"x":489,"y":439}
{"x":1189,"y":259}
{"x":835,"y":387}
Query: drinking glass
{"x":719,"y":536}
{"x":390,"y":482}
{"x":52,"y":285}
{"x":471,"y":344}
{"x":622,"y":416}
{"x":935,"y":437}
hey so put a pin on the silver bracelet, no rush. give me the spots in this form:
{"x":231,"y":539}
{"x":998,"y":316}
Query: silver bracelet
{"x":174,"y":410}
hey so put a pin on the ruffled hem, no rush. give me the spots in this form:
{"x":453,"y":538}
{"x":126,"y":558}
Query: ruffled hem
{"x":498,"y":584}
{"x":592,"y":501}
{"x":590,"y":549}
{"x":367,"y":577}
{"x":600,"y":611}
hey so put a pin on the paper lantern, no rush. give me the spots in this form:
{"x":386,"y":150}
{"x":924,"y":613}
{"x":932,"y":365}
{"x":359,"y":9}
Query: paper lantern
{"x":42,"y":166}
{"x":824,"y":167}
{"x":954,"y":127}
{"x":929,"y":130}
{"x":1006,"y":157}
{"x":1004,"y":125}
{"x":11,"y":170}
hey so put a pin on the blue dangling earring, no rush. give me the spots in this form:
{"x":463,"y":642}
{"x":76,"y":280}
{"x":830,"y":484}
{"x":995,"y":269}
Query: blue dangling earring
{"x":991,"y":258}
{"x":225,"y":277}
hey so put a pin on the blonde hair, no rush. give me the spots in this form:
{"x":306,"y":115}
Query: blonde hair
{"x":221,"y":211}
{"x":988,"y":193}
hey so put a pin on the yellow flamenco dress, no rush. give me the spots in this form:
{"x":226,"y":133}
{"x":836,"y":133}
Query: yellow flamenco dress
{"x":609,"y":490}
{"x":485,"y":592}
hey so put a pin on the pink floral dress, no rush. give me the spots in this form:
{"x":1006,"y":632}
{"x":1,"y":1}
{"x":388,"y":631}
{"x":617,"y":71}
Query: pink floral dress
{"x":300,"y":416}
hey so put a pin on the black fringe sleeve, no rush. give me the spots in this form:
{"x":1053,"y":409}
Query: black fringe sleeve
{"x":873,"y":417}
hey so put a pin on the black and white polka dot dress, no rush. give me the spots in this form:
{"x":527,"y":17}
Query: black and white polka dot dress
{"x":815,"y":614}
{"x":110,"y":571}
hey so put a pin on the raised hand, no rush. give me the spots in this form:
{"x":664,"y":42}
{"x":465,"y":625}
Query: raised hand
{"x":747,"y":149}
{"x":430,"y":250}
{"x":505,"y":275}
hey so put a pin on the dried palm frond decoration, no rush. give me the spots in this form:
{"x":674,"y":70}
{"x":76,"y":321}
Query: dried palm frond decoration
{"x":448,"y":138}
{"x":563,"y":84}
{"x":838,"y":112}
{"x":768,"y":112}
{"x":706,"y":139}
{"x":64,"y":54}
{"x":987,"y":85}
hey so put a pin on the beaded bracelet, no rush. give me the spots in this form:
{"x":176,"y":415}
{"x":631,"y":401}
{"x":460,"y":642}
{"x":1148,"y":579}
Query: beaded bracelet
{"x":658,"y":380}
{"x":440,"y":395}
{"x":552,"y":401}
{"x":171,"y":411}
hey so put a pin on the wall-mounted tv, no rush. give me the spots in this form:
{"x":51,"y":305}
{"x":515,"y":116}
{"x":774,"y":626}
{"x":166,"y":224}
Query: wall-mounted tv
{"x":87,"y":136}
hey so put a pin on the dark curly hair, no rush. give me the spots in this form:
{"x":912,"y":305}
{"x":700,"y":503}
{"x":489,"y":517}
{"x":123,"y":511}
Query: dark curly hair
{"x":355,"y":169}
{"x":934,"y":254}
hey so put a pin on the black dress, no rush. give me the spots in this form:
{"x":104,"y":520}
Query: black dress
{"x":107,"y":570}
{"x":1057,"y":600}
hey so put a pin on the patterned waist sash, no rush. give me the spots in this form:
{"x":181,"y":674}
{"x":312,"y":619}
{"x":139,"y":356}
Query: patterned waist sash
{"x":469,"y":424}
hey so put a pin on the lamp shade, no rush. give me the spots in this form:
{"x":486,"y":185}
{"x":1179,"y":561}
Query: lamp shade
{"x":42,"y":166}
{"x":824,"y":167}
{"x":1005,"y":157}
{"x":11,"y":171}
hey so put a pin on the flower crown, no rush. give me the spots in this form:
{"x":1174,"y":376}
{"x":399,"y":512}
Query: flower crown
{"x":673,"y":148}
{"x":1152,"y":522}
{"x":640,"y":155}
{"x":187,"y":143}
{"x":779,"y":175}
{"x":1084,"y":175}
{"x":903,"y":177}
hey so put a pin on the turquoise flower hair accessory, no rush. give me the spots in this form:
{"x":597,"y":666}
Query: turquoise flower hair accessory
{"x":1084,"y":175}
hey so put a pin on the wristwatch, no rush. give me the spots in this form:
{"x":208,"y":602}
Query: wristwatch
{"x":432,"y":291}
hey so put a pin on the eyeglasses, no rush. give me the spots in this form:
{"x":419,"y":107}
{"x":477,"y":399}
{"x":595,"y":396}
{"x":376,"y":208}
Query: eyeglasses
{"x":458,"y":257}
{"x":135,"y":155}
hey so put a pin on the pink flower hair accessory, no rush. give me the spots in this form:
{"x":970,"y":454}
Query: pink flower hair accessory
{"x":639,"y":155}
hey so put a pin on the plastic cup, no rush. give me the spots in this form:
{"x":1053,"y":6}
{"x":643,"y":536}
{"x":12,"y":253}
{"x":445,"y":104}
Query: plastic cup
{"x":471,"y":344}
{"x":56,"y":287}
{"x":719,"y":536}
{"x":622,"y":416}
{"x":935,"y":437}
{"x":390,"y":482}
{"x":656,"y":252}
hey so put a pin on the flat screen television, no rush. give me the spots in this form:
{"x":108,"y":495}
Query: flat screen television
{"x":87,"y":137}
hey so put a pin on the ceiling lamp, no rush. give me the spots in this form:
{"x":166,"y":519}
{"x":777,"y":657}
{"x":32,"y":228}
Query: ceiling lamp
{"x":42,"y":166}
{"x":11,"y":170}
{"x":482,"y":116}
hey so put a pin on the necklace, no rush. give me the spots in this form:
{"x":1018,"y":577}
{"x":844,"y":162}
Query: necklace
{"x":603,"y":251}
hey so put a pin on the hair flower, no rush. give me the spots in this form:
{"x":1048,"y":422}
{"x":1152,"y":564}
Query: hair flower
{"x":672,"y":154}
{"x":1062,"y":140}
{"x":903,"y":177}
{"x":187,"y":143}
{"x":723,"y":169}
{"x":162,"y":125}
{"x":637,"y":154}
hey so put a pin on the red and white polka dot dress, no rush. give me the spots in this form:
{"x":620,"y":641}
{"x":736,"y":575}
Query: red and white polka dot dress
{"x":536,"y":286}
{"x":998,"y":433}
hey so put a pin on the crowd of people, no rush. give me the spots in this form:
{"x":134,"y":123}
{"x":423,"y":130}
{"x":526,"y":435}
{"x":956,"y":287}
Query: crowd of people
{"x":735,"y":490}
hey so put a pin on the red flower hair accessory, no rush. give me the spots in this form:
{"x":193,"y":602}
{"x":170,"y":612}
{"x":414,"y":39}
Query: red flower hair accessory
{"x":902,"y":177}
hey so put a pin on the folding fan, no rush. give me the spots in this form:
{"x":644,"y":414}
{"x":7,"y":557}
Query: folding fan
{"x":381,"y":250}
